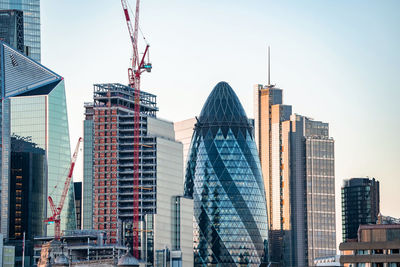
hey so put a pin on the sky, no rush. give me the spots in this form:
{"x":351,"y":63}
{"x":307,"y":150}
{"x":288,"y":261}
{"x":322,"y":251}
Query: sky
{"x":337,"y":61}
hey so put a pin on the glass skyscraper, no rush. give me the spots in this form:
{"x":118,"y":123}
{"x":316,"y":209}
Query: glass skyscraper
{"x":360,"y":205}
{"x":34,"y":112}
{"x":297,"y":159}
{"x":320,"y":190}
{"x":31,"y":18}
{"x":12,"y":28}
{"x":224,"y":178}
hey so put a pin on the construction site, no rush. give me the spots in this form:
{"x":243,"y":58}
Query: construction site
{"x":134,"y":207}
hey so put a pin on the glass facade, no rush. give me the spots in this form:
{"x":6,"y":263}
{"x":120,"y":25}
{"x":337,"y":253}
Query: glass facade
{"x":320,"y":191}
{"x":59,"y":154}
{"x":31,"y":14}
{"x":87,"y":205}
{"x":360,"y":205}
{"x":313,"y":191}
{"x":12,"y":28}
{"x":34,"y":111}
{"x":43,"y":120}
{"x":272,"y":143}
{"x":27,"y":194}
{"x":78,"y":204}
{"x":224,"y":178}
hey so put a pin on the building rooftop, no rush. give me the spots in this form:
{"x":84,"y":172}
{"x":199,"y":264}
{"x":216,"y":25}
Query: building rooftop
{"x":223,"y":107}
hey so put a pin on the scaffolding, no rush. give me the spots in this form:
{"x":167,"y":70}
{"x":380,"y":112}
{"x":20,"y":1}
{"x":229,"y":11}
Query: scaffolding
{"x":124,"y":96}
{"x":113,"y":165}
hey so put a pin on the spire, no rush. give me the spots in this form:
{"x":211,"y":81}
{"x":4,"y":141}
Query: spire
{"x":269,"y":68}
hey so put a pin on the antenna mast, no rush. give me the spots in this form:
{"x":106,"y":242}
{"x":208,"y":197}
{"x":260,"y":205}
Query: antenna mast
{"x":269,"y":68}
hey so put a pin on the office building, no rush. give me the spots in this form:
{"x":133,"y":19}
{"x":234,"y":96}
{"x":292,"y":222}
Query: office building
{"x":328,"y":261}
{"x":297,"y":160}
{"x":108,"y":176}
{"x":78,"y":204}
{"x":87,"y":186}
{"x":360,"y":205}
{"x":375,"y":246}
{"x":183,"y":133}
{"x":223,"y":177}
{"x":31,"y":21}
{"x":12,"y":28}
{"x":312,"y":191}
{"x":271,"y":137}
{"x":7,"y":254}
{"x":35,"y":154}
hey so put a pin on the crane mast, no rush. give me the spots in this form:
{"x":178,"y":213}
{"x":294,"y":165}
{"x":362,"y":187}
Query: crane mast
{"x":134,"y":73}
{"x":56,"y":217}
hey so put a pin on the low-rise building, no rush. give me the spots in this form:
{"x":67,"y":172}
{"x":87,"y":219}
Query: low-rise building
{"x":80,"y":246}
{"x":377,"y":246}
{"x":328,"y":261}
{"x":7,"y":254}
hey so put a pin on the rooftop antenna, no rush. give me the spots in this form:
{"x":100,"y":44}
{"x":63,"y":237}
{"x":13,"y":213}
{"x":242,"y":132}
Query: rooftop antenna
{"x":269,"y":68}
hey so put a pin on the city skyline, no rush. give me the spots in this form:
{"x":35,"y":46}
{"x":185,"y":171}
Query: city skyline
{"x":329,"y":69}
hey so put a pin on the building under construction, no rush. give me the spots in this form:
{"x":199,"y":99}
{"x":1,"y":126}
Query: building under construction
{"x":109,"y":188}
{"x":79,"y":246}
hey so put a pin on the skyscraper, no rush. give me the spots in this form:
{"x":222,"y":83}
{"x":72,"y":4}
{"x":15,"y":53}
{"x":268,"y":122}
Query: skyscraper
{"x":313,"y":190}
{"x":360,"y":205}
{"x":272,"y":143}
{"x":35,"y":146}
{"x":224,"y":178}
{"x":297,"y":160}
{"x":12,"y":28}
{"x":108,"y":197}
{"x":31,"y":18}
{"x":87,"y":186}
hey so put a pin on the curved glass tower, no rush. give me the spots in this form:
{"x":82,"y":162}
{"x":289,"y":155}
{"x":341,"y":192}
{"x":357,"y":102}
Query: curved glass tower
{"x":224,"y":178}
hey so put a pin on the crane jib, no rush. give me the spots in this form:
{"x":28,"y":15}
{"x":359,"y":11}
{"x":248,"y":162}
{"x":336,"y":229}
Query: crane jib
{"x":127,"y":15}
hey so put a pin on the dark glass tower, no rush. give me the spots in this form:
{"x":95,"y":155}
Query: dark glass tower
{"x":31,"y":20}
{"x":35,"y":149}
{"x":224,"y":178}
{"x":12,"y":28}
{"x":360,"y":205}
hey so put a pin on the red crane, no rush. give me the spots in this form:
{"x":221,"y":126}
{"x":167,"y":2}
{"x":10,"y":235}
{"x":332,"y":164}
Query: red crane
{"x":134,"y":73}
{"x":56,"y":218}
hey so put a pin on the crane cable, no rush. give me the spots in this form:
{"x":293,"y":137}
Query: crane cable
{"x":140,"y":29}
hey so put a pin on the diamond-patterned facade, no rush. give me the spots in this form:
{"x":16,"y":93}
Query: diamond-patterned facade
{"x":224,"y":178}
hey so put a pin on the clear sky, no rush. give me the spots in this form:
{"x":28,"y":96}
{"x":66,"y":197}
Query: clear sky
{"x":337,"y":61}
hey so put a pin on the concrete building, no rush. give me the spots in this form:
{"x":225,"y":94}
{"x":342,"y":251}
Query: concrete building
{"x":360,"y":205}
{"x":183,"y":133}
{"x":328,"y":261}
{"x":31,"y":22}
{"x":375,"y":246}
{"x":108,"y":174}
{"x":35,"y":148}
{"x":223,"y":177}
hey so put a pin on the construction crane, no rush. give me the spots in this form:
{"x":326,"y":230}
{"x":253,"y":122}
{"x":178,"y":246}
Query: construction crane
{"x":56,"y":217}
{"x":134,"y":72}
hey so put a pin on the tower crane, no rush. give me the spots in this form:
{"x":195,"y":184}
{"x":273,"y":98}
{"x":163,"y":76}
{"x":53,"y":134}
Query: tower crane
{"x":134,"y":72}
{"x":56,"y":217}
